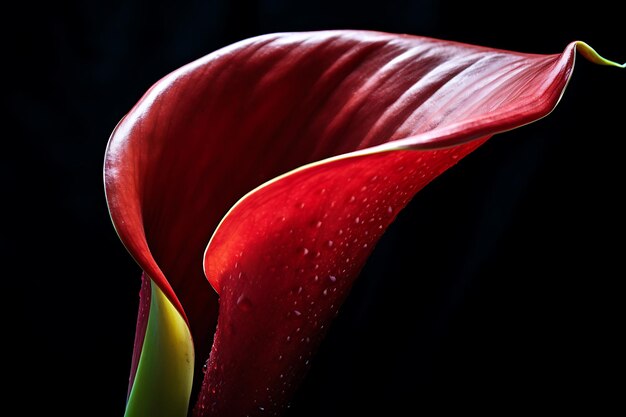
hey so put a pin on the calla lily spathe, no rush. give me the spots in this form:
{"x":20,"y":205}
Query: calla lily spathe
{"x":265,"y":173}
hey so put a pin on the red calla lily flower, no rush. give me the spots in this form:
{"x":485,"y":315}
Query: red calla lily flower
{"x":289,"y":155}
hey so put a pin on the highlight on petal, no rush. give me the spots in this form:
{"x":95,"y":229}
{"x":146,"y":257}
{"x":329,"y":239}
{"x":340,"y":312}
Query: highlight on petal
{"x":334,"y":132}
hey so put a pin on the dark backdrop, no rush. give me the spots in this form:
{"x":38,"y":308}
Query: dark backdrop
{"x":499,"y":288}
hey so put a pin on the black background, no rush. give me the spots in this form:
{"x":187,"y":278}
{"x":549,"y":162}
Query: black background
{"x":498,"y":289}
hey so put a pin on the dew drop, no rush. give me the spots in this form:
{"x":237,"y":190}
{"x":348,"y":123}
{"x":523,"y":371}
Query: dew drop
{"x":288,"y":338}
{"x":325,"y":292}
{"x":330,"y":243}
{"x":352,"y":199}
{"x":244,"y":303}
{"x":301,"y":205}
{"x":364,"y":245}
{"x":297,"y":313}
{"x":333,"y":278}
{"x":305,"y":251}
{"x":262,"y":408}
{"x":318,"y":224}
{"x":357,"y":220}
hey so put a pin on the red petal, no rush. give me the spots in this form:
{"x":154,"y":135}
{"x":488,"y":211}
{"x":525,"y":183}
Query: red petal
{"x":210,"y":132}
{"x":140,"y":330}
{"x":285,"y":257}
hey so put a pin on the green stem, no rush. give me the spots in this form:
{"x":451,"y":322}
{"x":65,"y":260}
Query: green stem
{"x":162,"y":384}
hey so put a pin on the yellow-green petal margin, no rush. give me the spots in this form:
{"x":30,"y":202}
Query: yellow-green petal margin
{"x":162,"y":384}
{"x":590,"y":53}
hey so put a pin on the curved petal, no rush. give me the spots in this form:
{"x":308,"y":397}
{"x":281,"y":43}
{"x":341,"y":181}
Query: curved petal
{"x":286,"y":255}
{"x":375,"y":108}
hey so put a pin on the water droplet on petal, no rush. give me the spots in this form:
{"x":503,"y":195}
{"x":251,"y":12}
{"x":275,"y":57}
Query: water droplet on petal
{"x":244,"y":303}
{"x":305,"y":251}
{"x":318,"y":224}
{"x":297,"y":313}
{"x":330,"y":243}
{"x":332,"y":278}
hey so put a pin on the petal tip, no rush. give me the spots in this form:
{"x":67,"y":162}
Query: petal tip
{"x":588,"y":52}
